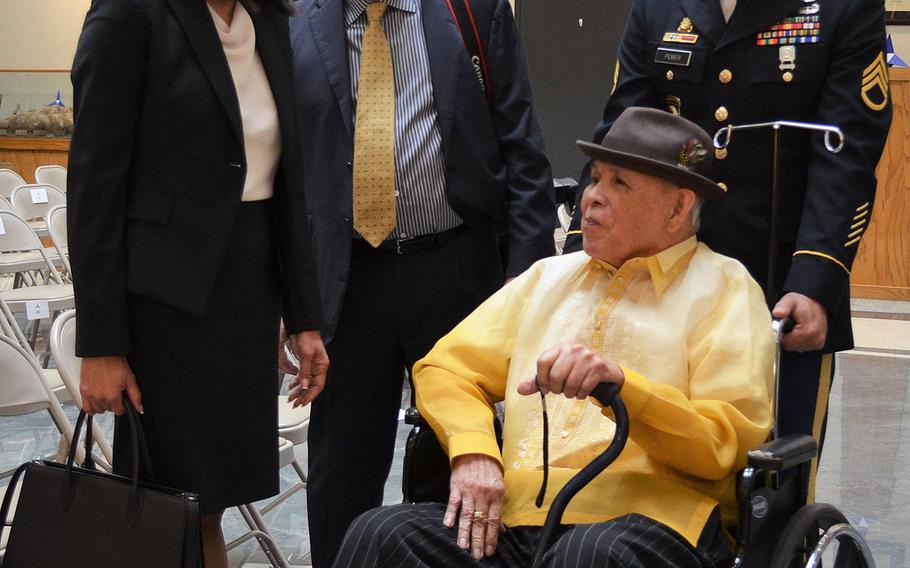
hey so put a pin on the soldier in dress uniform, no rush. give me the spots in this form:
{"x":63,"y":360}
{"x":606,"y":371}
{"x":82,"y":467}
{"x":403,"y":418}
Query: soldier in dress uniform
{"x":722,"y":62}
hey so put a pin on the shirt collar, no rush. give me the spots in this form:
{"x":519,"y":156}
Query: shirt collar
{"x":354,"y":8}
{"x":663,"y":267}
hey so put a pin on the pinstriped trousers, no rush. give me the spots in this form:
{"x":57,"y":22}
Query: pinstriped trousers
{"x":413,"y":536}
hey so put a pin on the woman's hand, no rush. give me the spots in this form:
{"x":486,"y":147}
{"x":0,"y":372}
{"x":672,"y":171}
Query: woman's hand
{"x":314,"y":364}
{"x":102,"y":382}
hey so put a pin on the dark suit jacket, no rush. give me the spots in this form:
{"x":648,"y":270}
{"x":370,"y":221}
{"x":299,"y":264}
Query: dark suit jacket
{"x":496,"y":173}
{"x":157,"y":166}
{"x":841,"y":79}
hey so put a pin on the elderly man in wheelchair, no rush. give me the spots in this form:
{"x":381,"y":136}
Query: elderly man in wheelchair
{"x":683,"y":332}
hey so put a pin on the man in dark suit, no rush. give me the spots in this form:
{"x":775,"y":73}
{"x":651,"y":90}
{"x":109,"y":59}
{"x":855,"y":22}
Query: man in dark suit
{"x":408,"y":210}
{"x":722,"y":62}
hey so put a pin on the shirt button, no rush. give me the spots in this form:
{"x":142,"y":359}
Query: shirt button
{"x":396,"y":193}
{"x":564,"y":434}
{"x":350,"y":165}
{"x":721,"y":114}
{"x":598,"y":325}
{"x":403,"y":235}
{"x":725,"y":76}
{"x":670,"y":75}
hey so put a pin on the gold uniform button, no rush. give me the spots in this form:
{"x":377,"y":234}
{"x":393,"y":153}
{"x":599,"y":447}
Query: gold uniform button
{"x":788,"y":77}
{"x":721,"y":114}
{"x":720,"y":153}
{"x":722,"y":185}
{"x":670,"y":75}
{"x":725,"y":76}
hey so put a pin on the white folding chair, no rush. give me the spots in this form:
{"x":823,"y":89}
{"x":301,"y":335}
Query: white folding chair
{"x":56,"y":230}
{"x":23,"y":391}
{"x":5,"y":205}
{"x":58,"y":296}
{"x":17,"y":262}
{"x":32,"y":202}
{"x":11,"y":329}
{"x":9,"y":180}
{"x":63,"y":350}
{"x":52,"y":175}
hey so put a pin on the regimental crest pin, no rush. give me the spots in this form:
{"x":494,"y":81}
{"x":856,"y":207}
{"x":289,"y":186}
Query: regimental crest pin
{"x":874,"y":89}
{"x":685,"y":25}
{"x":692,"y":152}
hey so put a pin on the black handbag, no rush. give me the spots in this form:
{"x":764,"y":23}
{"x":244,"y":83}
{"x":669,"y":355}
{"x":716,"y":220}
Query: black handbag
{"x":80,"y":517}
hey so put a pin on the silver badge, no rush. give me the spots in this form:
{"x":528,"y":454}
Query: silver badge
{"x":787,"y":56}
{"x":810,"y":9}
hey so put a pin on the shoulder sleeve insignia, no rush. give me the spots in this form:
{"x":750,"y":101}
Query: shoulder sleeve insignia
{"x":875,"y":84}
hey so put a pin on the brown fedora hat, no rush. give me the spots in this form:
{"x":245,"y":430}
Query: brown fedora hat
{"x":662,"y":145}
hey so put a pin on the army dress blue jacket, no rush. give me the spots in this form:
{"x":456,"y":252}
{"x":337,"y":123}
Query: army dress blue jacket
{"x":819,"y":61}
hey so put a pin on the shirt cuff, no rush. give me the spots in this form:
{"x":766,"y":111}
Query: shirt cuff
{"x":636,"y":390}
{"x":474,"y":443}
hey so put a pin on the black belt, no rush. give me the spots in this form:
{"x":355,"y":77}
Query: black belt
{"x":416,"y":244}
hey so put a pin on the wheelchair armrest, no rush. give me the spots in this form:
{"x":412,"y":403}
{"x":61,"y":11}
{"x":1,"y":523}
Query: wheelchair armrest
{"x":412,"y":417}
{"x":783,"y":453}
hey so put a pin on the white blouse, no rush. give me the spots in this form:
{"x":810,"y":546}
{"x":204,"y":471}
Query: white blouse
{"x":261,"y":133}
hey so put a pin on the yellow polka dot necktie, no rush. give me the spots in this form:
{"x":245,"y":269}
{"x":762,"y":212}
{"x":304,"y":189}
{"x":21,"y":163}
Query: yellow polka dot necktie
{"x":374,"y":135}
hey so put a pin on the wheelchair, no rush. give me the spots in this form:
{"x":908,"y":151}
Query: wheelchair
{"x":777,"y":527}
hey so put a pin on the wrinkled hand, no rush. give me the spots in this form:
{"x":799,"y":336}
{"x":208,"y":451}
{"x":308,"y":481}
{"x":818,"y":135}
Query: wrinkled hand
{"x":810,"y":322}
{"x":102,"y":381}
{"x":314,"y":363}
{"x":476,"y":486}
{"x":573,"y":370}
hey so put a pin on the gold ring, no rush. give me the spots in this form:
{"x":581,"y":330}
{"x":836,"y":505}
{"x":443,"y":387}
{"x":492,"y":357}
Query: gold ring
{"x":479,"y":516}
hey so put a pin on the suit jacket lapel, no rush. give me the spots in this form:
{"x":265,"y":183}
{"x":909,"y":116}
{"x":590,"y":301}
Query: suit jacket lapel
{"x":200,"y":32}
{"x":327,"y":25}
{"x":707,"y":18}
{"x":756,"y":15}
{"x":444,"y":51}
{"x":276,"y":62}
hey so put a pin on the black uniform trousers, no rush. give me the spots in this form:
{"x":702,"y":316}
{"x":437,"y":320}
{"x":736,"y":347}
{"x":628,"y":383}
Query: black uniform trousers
{"x":395,"y":309}
{"x":413,"y":536}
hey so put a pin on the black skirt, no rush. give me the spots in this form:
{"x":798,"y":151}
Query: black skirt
{"x":209,"y":384}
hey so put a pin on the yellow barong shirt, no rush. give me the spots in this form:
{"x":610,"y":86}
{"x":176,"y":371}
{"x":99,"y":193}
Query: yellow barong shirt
{"x":692,"y":334}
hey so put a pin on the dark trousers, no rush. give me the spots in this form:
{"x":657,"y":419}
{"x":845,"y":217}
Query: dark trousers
{"x":413,"y":536}
{"x":805,"y":385}
{"x":395,"y":309}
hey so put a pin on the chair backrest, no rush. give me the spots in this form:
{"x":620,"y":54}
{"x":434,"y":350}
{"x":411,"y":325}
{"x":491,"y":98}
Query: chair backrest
{"x":19,"y":236}
{"x":52,"y":175}
{"x":23,"y":388}
{"x":56,"y":229}
{"x":9,"y":180}
{"x":5,"y":205}
{"x":24,"y":203}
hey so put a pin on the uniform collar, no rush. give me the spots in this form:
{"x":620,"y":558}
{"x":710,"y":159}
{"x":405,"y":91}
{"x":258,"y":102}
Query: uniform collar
{"x":354,"y":8}
{"x":663,"y":267}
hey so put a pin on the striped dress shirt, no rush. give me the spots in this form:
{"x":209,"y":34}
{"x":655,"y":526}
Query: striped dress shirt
{"x":419,"y":164}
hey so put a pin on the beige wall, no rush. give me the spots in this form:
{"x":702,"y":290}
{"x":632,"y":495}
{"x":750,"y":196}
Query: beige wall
{"x":39,"y":34}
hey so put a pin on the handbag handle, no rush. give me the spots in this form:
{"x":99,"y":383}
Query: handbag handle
{"x":139,"y":447}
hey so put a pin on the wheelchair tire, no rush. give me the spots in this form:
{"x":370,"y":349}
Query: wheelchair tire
{"x":802,"y":534}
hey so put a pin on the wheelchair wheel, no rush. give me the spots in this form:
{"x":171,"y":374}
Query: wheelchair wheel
{"x":802,"y":533}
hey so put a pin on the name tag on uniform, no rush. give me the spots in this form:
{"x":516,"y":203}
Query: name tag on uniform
{"x":674,"y":37}
{"x":39,"y":195}
{"x":668,"y":56}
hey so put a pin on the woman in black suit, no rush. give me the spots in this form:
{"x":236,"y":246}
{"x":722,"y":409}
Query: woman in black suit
{"x":189,"y":238}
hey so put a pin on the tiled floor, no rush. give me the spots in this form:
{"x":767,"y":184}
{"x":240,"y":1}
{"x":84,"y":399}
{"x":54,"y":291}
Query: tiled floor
{"x":864,"y":469}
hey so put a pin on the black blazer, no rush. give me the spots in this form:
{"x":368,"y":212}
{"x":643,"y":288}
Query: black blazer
{"x":157,"y":166}
{"x":497,"y":175}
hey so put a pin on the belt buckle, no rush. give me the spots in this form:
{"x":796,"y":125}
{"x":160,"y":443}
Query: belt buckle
{"x":398,"y":246}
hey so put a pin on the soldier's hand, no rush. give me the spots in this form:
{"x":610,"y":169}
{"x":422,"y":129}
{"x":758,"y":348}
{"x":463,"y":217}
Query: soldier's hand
{"x":810,"y":322}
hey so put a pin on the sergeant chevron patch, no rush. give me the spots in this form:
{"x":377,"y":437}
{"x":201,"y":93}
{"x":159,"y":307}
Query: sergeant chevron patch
{"x":875,"y":84}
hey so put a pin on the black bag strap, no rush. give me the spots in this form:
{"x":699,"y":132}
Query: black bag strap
{"x":471,"y":36}
{"x":8,"y":498}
